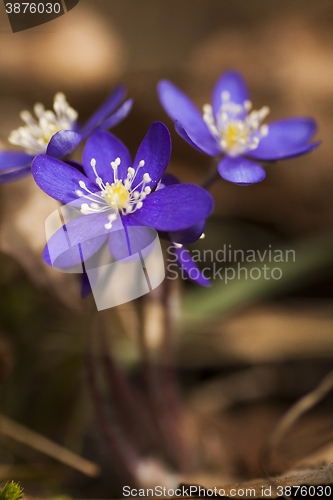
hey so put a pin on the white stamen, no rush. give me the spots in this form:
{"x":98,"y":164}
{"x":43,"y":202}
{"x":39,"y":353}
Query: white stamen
{"x":235,"y":128}
{"x":118,"y":196}
{"x":35,"y":136}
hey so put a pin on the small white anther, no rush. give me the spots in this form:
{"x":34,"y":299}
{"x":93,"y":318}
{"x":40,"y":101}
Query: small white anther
{"x":60,"y":96}
{"x":146,"y":178}
{"x":207,"y":108}
{"x":93,"y":162}
{"x":142,"y":163}
{"x":79,"y":193}
{"x":203,"y":236}
{"x":247,"y":105}
{"x":264,"y":129}
{"x":82,"y":185}
{"x":139,"y":205}
{"x":85,"y":208}
{"x":264,"y":112}
{"x":147,"y":190}
{"x":225,"y":95}
{"x":178,"y":245}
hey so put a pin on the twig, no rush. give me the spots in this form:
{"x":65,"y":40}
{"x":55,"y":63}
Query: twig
{"x":40,"y":443}
{"x":296,"y":411}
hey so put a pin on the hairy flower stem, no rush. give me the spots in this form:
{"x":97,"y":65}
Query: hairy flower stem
{"x":123,"y":453}
{"x":131,"y":409}
{"x":152,"y":375}
{"x":213,"y":174}
{"x":170,"y":385}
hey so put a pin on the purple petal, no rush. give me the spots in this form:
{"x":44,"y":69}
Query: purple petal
{"x":206,"y":145}
{"x":188,"y":236}
{"x":76,"y":165}
{"x":190,"y":268}
{"x":15,"y":175}
{"x":86,"y":231}
{"x":175,"y":208}
{"x":63,"y":143}
{"x":234,"y":83}
{"x":286,"y":138}
{"x":57,"y":179}
{"x":105,"y":148}
{"x":117,"y":117}
{"x":169,"y":180}
{"x":155,"y":150}
{"x":130,"y":240}
{"x":14,"y":159}
{"x":181,"y":109}
{"x":240,"y":170}
{"x":104,"y":111}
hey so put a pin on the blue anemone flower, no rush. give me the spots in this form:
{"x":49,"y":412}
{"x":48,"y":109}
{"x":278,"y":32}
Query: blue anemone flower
{"x":57,"y":133}
{"x":228,"y":126}
{"x":113,"y":190}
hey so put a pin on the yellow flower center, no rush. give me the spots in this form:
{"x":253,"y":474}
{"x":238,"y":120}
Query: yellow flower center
{"x":234,"y":127}
{"x":49,"y":133}
{"x":116,"y":195}
{"x":120,"y":196}
{"x":233,"y":135}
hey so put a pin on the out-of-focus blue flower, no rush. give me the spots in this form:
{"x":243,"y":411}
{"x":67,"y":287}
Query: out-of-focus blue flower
{"x":57,"y":133}
{"x":180,"y":238}
{"x":112,"y":190}
{"x":228,"y":126}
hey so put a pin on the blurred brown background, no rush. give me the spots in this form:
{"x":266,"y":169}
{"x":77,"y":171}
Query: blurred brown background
{"x":247,"y":366}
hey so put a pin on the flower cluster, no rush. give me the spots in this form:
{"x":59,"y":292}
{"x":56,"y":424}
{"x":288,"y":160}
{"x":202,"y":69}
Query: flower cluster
{"x":107,"y":191}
